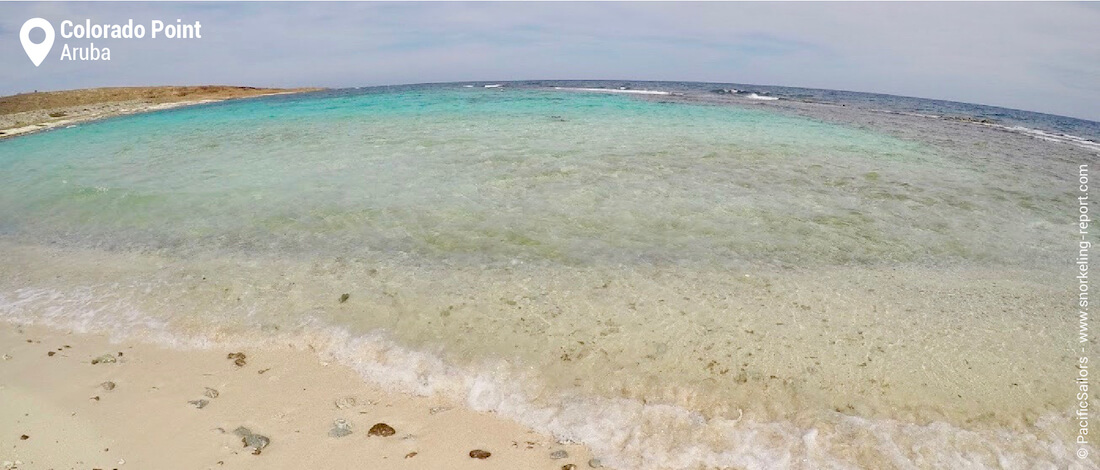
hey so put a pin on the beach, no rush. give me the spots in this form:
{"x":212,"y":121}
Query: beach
{"x":141,"y":409}
{"x":72,"y":400}
{"x":657,"y":276}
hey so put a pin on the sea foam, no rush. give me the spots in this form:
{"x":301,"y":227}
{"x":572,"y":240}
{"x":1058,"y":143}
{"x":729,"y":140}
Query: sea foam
{"x":624,"y":433}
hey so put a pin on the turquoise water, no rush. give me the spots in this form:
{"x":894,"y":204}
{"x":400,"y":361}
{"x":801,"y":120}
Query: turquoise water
{"x":450,"y":173}
{"x":676,"y":284}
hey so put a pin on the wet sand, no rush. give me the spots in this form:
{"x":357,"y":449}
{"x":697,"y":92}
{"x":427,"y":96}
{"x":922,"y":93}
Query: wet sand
{"x":72,"y":400}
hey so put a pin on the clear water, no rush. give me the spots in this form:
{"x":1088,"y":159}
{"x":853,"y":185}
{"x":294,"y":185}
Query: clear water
{"x":677,"y":285}
{"x":868,"y":101}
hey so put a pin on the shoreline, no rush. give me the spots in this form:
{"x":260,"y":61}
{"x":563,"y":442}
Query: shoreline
{"x":627,"y":433}
{"x":22,"y":114}
{"x":763,"y":365}
{"x":81,"y":399}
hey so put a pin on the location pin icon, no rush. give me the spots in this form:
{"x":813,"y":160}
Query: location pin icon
{"x":37,"y":52}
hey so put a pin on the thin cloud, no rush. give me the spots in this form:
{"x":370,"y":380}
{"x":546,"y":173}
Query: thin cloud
{"x":1035,"y":56}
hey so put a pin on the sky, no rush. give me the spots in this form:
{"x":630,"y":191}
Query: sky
{"x":1035,"y":56}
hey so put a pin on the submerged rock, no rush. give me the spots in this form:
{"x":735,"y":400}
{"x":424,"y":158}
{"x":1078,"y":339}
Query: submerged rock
{"x":340,"y":428}
{"x":210,"y":393}
{"x":108,"y":385}
{"x":381,"y":429}
{"x":595,"y":463}
{"x":559,"y":454}
{"x":345,"y":403}
{"x":480,"y":454}
{"x":200,"y":404}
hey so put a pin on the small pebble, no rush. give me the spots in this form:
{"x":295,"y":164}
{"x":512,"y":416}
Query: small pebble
{"x":568,"y":466}
{"x":595,"y":463}
{"x":108,"y":385}
{"x":200,"y":404}
{"x":559,"y":454}
{"x":256,"y":442}
{"x":210,"y":393}
{"x":24,"y":437}
{"x":51,"y":353}
{"x":249,"y":439}
{"x":340,"y":428}
{"x":345,"y":403}
{"x":437,"y":409}
{"x":7,"y":357}
{"x":381,"y":429}
{"x":344,"y":298}
{"x":479,"y":454}
{"x":105,"y":359}
{"x":410,"y":455}
{"x":238,"y":358}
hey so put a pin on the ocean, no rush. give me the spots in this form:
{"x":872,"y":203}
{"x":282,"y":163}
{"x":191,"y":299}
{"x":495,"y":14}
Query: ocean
{"x":679,"y":275}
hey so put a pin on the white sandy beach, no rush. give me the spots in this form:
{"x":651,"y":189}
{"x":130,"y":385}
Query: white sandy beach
{"x":56,"y":412}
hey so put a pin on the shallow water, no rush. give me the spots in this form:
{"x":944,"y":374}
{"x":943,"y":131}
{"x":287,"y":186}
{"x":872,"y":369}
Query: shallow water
{"x":675,"y":284}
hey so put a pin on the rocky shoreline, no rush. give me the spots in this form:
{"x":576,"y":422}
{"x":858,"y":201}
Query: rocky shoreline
{"x":28,"y":113}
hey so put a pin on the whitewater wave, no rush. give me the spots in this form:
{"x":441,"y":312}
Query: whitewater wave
{"x":616,"y":90}
{"x":1036,"y":133}
{"x":624,"y":433}
{"x":754,"y":96}
{"x":1053,"y":137}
